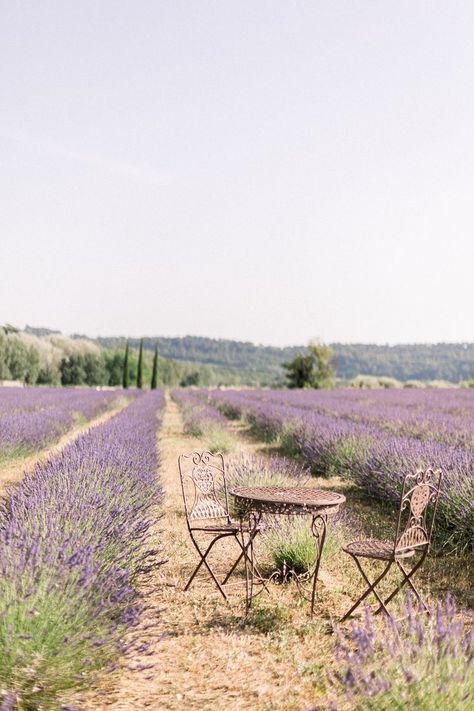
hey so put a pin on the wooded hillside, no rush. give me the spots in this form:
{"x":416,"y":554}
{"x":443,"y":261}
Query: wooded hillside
{"x":440,"y":361}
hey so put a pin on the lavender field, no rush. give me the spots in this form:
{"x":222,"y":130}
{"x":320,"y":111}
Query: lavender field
{"x":74,"y":536}
{"x":373,"y":438}
{"x":83,"y":592}
{"x":32,"y":418}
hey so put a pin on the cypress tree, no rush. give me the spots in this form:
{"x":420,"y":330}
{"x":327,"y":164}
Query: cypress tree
{"x":154,"y":373}
{"x":125,"y":368}
{"x":140,"y":366}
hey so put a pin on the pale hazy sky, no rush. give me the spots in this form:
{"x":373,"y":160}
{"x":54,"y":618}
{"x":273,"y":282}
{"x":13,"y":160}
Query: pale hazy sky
{"x":261,"y":170}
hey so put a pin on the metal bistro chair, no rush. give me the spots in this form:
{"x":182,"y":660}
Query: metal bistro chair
{"x":203,"y":482}
{"x":416,"y":517}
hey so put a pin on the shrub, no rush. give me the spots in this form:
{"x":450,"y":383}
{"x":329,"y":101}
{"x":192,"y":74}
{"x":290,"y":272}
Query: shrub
{"x":290,"y":545}
{"x":254,"y":470}
{"x":217,"y":437}
{"x":374,"y":381}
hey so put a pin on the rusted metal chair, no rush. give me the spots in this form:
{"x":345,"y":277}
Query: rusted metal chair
{"x":203,"y":482}
{"x":416,"y":517}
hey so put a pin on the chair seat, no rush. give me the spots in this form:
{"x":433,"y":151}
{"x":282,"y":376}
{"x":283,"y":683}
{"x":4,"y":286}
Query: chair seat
{"x":231,"y":527}
{"x":373,"y":548}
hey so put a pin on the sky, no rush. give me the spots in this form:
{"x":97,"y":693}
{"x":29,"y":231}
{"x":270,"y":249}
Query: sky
{"x":259,"y":170}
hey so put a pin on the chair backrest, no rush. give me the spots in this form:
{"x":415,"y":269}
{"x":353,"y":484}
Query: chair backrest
{"x":418,"y":505}
{"x":203,"y":483}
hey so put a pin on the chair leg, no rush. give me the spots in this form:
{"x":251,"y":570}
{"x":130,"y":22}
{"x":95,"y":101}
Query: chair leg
{"x":406,"y":579}
{"x":242,"y":553}
{"x":412,"y":584}
{"x":203,"y":561}
{"x":370,"y":589}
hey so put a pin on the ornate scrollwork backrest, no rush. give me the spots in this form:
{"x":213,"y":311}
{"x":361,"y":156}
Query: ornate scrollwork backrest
{"x":418,"y":505}
{"x":203,"y":484}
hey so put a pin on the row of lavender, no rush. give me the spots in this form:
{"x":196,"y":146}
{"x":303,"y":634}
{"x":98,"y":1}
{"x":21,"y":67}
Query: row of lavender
{"x":441,"y":415}
{"x":197,"y":413}
{"x":32,"y":418}
{"x":74,"y":535}
{"x":365,"y":440}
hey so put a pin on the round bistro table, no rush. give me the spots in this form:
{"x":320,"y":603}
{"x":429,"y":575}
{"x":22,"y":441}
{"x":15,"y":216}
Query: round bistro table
{"x":254,"y":501}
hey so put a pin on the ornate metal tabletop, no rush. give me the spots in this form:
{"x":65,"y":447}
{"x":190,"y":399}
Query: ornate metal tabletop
{"x":287,"y":500}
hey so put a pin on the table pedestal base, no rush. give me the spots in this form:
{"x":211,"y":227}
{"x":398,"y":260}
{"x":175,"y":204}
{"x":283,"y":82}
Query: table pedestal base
{"x":252,"y":575}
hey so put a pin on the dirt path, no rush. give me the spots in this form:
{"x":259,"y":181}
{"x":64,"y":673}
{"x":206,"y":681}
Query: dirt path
{"x":209,"y":658}
{"x":13,"y":470}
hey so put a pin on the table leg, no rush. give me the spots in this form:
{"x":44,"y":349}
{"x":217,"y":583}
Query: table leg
{"x":318,"y":529}
{"x":249,"y":558}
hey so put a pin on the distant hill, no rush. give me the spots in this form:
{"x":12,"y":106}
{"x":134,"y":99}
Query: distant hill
{"x":439,"y":361}
{"x":259,"y":362}
{"x":210,"y":361}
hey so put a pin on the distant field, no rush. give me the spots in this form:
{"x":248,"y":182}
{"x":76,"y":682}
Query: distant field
{"x":31,"y":418}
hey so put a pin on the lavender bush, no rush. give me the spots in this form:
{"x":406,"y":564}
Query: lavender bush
{"x":254,"y":470}
{"x":197,"y":413}
{"x":202,"y":419}
{"x":420,"y":664}
{"x":73,"y":538}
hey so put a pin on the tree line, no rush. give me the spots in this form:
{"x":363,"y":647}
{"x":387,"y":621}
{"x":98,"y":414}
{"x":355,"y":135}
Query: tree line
{"x":42,"y":356}
{"x":32,"y":360}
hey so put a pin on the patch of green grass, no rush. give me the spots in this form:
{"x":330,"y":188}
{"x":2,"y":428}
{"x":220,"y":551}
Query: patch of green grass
{"x":18,"y":451}
{"x":217,"y":438}
{"x":286,"y":440}
{"x":291,"y":546}
{"x":265,"y":620}
{"x":79,"y":418}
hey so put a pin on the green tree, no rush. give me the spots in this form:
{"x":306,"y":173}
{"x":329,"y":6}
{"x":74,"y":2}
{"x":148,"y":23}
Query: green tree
{"x":33,"y":366}
{"x":8,"y":328}
{"x":140,"y":366}
{"x":190,"y":379}
{"x":114,"y":366}
{"x":315,"y":369}
{"x":300,"y":371}
{"x":49,"y":374}
{"x":4,"y":372}
{"x":72,"y":370}
{"x":125,"y":368}
{"x":154,"y":373}
{"x":17,"y":357}
{"x":94,"y":369}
